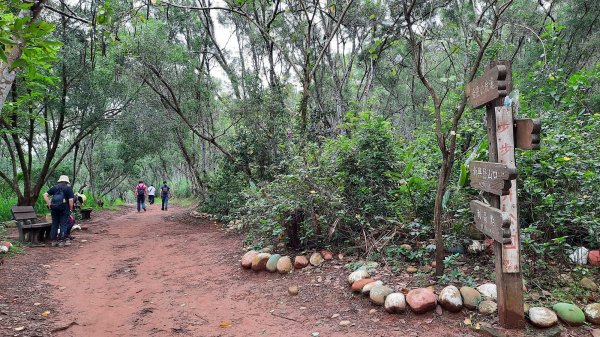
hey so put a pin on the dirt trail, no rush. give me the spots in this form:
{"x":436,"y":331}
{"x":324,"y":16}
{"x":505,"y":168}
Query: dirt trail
{"x":167,"y":274}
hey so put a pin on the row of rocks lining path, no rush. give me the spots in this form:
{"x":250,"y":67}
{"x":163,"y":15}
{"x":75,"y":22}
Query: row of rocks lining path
{"x":168,"y":274}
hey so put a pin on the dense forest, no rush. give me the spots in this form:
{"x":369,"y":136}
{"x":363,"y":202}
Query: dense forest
{"x":313,"y":123}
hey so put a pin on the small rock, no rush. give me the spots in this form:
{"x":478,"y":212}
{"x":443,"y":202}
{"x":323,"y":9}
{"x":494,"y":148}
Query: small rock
{"x":284,"y":265}
{"x":247,"y":259}
{"x":3,"y":249}
{"x":335,"y":315}
{"x":592,"y":313}
{"x":579,"y":255}
{"x":450,"y":299}
{"x":259,"y":262}
{"x":372,"y":311}
{"x":316,"y":259}
{"x":476,"y":247}
{"x":411,"y":270}
{"x":300,"y":262}
{"x":367,"y":288}
{"x":293,"y":290}
{"x":272,"y":263}
{"x":487,"y":307}
{"x":488,"y":290}
{"x":542,"y":317}
{"x":421,"y":300}
{"x":359,"y":284}
{"x":267,"y":249}
{"x":426,"y":269}
{"x":379,"y":293}
{"x":406,"y":247}
{"x":569,"y":313}
{"x":438,"y":310}
{"x":471,"y":297}
{"x":588,"y":284}
{"x":566,"y":278}
{"x":327,"y":255}
{"x":357,"y":275}
{"x":395,"y":303}
{"x":344,"y":323}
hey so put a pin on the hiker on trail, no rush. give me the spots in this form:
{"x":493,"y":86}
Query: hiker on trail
{"x":141,"y":191}
{"x":165,"y":194}
{"x":151,"y":192}
{"x":61,"y":208}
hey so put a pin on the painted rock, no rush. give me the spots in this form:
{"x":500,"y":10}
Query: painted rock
{"x":247,"y":258}
{"x":487,"y":307}
{"x":357,"y":275}
{"x":300,"y":262}
{"x":379,"y":293}
{"x":471,"y":297}
{"x":259,"y":262}
{"x":569,"y":313}
{"x":594,"y":257}
{"x":421,"y":300}
{"x":592,"y":313}
{"x":367,"y":288}
{"x":450,"y":299}
{"x":316,"y":259}
{"x":542,"y":317}
{"x":579,"y":256}
{"x":284,"y":265}
{"x":395,"y":303}
{"x":488,"y":290}
{"x":272,"y":263}
{"x":359,"y":284}
{"x":327,"y":255}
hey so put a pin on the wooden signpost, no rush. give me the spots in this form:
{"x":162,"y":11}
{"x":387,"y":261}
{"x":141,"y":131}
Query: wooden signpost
{"x":498,"y":217}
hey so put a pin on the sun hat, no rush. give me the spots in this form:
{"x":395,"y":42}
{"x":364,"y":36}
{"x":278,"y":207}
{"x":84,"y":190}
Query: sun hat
{"x":64,"y":179}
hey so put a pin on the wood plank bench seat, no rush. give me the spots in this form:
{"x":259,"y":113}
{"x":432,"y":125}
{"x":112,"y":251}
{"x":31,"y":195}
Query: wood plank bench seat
{"x":29,"y":227}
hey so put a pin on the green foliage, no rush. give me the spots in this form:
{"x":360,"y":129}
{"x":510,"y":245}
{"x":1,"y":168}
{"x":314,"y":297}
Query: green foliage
{"x":224,"y":195}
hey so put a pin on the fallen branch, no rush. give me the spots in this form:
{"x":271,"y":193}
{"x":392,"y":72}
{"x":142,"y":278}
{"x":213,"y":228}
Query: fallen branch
{"x":291,"y":319}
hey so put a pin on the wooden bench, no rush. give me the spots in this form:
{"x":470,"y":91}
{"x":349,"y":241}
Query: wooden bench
{"x":29,"y":227}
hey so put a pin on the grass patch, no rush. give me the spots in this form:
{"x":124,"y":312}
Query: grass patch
{"x":184,"y":202}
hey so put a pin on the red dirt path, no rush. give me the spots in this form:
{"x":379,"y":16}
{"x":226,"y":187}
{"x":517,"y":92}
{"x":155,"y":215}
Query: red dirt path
{"x":168,"y":274}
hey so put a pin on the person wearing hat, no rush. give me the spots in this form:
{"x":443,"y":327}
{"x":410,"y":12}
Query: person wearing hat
{"x":61,"y":206}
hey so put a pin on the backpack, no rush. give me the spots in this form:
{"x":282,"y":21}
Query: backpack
{"x":164,"y":190}
{"x":140,"y":189}
{"x":58,"y":200}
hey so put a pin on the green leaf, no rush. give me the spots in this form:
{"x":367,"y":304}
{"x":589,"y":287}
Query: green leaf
{"x":462,"y":179}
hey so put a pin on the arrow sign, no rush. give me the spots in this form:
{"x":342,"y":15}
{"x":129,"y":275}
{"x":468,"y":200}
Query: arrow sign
{"x":491,"y":221}
{"x":527,"y":133}
{"x":492,"y":84}
{"x":491,"y":177}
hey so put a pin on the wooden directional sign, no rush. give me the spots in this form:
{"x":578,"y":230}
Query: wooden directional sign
{"x":492,"y":177}
{"x":494,"y":82}
{"x":527,"y":133}
{"x":491,"y":221}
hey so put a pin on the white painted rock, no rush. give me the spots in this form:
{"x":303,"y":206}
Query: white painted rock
{"x":379,"y":293}
{"x":357,"y":275}
{"x":488,"y":290}
{"x":367,"y":288}
{"x":450,"y":299}
{"x":592,"y":313}
{"x":395,"y":303}
{"x":542,"y":317}
{"x":579,"y":255}
{"x":316,"y":259}
{"x":487,"y":308}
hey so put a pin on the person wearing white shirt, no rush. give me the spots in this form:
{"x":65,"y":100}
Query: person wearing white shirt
{"x":151,"y":193}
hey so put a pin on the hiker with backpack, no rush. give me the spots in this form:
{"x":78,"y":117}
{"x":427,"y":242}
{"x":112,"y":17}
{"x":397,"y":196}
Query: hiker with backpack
{"x":165,"y":194}
{"x":141,"y":191}
{"x":61,"y":207}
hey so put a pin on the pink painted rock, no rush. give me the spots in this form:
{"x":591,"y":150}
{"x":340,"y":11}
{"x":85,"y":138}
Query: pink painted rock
{"x":6,"y":244}
{"x":300,"y":262}
{"x":327,"y":255}
{"x":259,"y":262}
{"x":358,"y":285}
{"x":594,"y":257}
{"x":247,"y":258}
{"x":421,"y":300}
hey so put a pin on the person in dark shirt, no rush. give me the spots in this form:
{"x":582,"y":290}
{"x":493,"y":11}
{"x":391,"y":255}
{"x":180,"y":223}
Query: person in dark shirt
{"x":61,"y":206}
{"x":165,"y":194}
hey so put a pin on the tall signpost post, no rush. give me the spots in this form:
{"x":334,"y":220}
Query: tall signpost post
{"x":498,"y":216}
